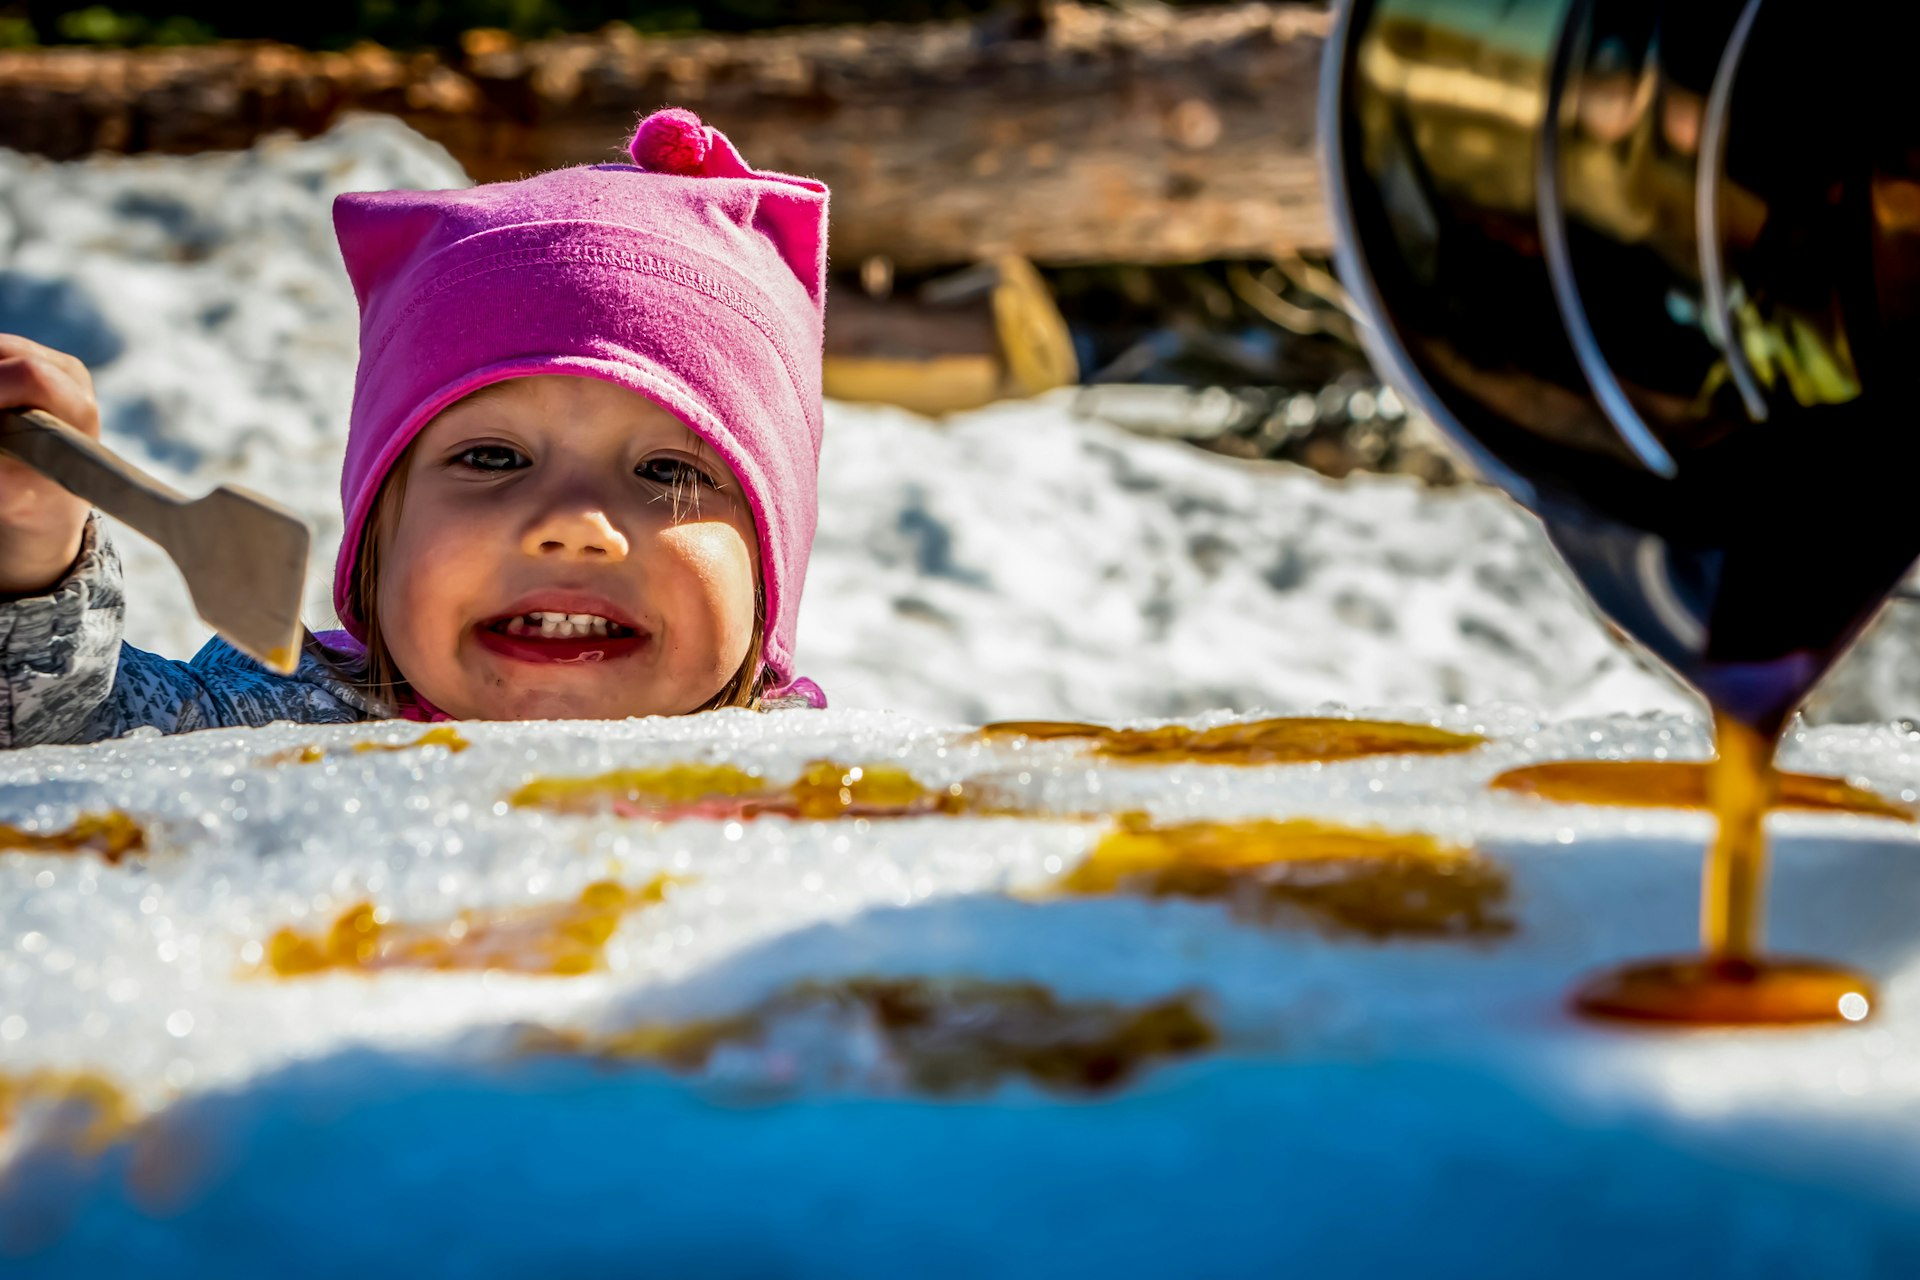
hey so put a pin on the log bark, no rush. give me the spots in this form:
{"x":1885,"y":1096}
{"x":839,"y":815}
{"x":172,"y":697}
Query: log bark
{"x":1137,"y":134}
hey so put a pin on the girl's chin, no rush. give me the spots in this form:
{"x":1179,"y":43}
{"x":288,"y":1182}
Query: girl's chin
{"x":567,"y":705}
{"x":562,"y":695}
{"x":484,"y":686}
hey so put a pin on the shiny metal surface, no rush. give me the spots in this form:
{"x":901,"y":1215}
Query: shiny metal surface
{"x":1657,"y":264}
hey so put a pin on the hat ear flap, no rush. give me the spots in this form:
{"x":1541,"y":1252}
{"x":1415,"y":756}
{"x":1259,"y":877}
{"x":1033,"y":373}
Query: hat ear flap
{"x":794,"y":219}
{"x":723,"y":159}
{"x":378,"y":231}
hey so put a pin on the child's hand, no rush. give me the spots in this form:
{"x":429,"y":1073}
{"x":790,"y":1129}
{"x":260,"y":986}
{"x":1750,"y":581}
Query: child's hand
{"x":40,"y":523}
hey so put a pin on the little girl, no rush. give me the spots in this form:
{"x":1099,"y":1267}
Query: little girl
{"x":580,"y":472}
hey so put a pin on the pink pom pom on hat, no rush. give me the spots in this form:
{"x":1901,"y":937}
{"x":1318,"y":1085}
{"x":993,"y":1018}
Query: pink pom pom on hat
{"x":670,"y":141}
{"x":687,"y":277}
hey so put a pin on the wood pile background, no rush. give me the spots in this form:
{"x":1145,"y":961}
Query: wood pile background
{"x":1138,"y":134}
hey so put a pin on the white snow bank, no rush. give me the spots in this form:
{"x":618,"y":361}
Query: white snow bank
{"x":1017,"y":562}
{"x":1420,"y":1104}
{"x":1013,"y":562}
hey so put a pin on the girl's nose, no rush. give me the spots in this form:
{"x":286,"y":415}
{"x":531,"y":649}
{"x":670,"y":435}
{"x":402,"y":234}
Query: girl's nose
{"x":576,"y":532}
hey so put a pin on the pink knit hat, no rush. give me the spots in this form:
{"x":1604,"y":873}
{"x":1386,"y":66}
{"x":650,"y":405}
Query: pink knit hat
{"x":686,"y":277}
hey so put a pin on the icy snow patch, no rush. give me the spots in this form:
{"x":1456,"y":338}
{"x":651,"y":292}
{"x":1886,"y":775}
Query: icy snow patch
{"x":1373,"y":1103}
{"x":1016,"y":562}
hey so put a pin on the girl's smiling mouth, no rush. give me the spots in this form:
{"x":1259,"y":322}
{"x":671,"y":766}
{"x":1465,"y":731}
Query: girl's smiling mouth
{"x":562,"y":631}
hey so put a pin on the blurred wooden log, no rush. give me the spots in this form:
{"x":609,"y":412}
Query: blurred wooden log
{"x":66,"y":103}
{"x":997,"y":335}
{"x":1138,"y":134}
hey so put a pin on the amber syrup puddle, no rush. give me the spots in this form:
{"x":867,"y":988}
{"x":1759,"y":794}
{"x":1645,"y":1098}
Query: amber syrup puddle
{"x":1682,"y":784}
{"x":946,"y":1036}
{"x":83,"y":1110}
{"x":1351,"y":880}
{"x":1289,"y":740}
{"x":824,"y":790}
{"x":562,"y":938}
{"x":440,"y":736}
{"x":111,"y":835}
{"x":1731,"y":983}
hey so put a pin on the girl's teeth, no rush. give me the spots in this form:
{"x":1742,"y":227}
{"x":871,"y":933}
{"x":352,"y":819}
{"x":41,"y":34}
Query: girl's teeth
{"x":558,"y":626}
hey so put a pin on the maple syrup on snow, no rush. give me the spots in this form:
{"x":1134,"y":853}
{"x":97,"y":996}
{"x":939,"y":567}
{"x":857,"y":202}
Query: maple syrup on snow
{"x":1283,"y":740}
{"x":723,"y":792}
{"x":112,"y":835}
{"x":1731,"y":983}
{"x":1682,"y":784}
{"x":1342,"y":880}
{"x":562,"y":938}
{"x":947,"y":1036}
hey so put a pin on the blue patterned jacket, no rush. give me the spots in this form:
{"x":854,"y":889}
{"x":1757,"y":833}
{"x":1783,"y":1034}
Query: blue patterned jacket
{"x":66,"y":676}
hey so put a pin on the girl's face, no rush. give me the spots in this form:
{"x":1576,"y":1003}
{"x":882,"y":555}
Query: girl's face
{"x":567,"y":549}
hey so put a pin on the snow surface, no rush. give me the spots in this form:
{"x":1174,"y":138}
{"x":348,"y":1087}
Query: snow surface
{"x":1422,"y":1106}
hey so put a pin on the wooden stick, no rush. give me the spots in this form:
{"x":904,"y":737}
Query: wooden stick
{"x":244,"y":557}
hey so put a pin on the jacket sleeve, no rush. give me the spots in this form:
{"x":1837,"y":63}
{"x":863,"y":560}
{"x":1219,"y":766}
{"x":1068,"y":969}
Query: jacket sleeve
{"x":60,"y":652}
{"x":67,"y":677}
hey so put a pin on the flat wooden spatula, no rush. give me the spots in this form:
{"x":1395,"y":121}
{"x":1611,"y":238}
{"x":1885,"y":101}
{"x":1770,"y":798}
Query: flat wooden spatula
{"x":244,"y":557}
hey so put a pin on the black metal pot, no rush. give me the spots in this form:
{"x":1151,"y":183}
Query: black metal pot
{"x":1656,"y":266}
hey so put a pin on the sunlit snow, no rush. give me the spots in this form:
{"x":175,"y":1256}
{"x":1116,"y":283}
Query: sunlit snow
{"x":1438,"y":1080}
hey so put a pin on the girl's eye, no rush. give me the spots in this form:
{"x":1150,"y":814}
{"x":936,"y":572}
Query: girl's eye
{"x":674,"y":473}
{"x":492,"y":457}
